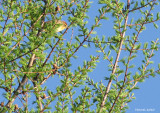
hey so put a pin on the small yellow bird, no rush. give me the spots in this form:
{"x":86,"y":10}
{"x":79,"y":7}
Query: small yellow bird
{"x":58,"y":26}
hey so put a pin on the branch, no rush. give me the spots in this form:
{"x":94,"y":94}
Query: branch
{"x":24,"y":80}
{"x":125,"y":77}
{"x":141,"y":6}
{"x":116,"y":62}
{"x":143,"y":23}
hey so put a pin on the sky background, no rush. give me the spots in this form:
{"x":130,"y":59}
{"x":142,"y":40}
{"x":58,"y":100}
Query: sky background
{"x":147,"y":97}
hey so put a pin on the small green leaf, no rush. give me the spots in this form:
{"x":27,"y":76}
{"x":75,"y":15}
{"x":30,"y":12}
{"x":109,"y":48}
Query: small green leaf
{"x":155,"y":25}
{"x":158,"y":16}
{"x":98,"y":51}
{"x":120,"y":71}
{"x":145,"y":45}
{"x":105,"y":18}
{"x":159,"y":65}
{"x":85,"y":46}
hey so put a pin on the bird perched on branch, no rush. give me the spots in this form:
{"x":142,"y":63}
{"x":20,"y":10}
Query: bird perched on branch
{"x":57,"y":26}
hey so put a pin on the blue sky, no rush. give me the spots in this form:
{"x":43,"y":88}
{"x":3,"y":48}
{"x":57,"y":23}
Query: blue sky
{"x":147,"y":97}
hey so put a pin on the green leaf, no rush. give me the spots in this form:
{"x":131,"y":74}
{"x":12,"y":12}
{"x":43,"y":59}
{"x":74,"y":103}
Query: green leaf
{"x":77,"y":38}
{"x":145,"y":45}
{"x":138,"y":46}
{"x":120,"y":71}
{"x":159,"y":65}
{"x":158,"y":16}
{"x":133,"y":56}
{"x":85,"y":46}
{"x":107,"y":78}
{"x":155,"y":25}
{"x":96,"y":19}
{"x":132,"y":66}
{"x":99,"y":51}
{"x":93,"y":32}
{"x":105,"y":18}
{"x":158,"y":72}
{"x":109,"y":52}
{"x":112,"y":47}
{"x":142,"y":3}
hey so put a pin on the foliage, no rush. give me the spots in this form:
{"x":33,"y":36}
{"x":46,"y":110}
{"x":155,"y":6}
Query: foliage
{"x":32,"y":54}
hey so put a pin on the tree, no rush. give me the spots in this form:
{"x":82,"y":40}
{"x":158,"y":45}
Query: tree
{"x":34,"y":54}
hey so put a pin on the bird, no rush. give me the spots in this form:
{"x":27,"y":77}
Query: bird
{"x":58,"y":26}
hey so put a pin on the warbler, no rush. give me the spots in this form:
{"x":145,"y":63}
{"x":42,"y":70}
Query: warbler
{"x":58,"y":26}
